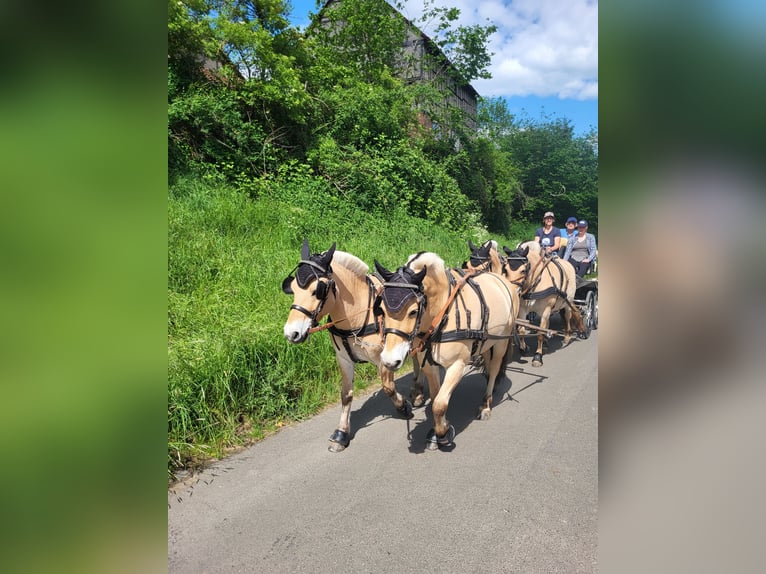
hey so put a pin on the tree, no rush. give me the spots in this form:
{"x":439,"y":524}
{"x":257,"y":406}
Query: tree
{"x":465,"y":47}
{"x":235,"y":93}
{"x":557,"y":170}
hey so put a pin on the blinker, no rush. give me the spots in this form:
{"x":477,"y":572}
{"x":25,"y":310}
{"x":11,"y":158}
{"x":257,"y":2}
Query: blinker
{"x":287,"y":285}
{"x":321,"y":291}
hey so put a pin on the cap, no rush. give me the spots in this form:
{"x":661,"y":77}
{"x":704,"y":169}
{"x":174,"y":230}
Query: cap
{"x":572,"y":220}
{"x":548,"y":214}
{"x":582,"y":223}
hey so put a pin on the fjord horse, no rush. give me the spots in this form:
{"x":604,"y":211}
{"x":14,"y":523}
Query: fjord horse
{"x":336,"y":284}
{"x":547,"y":284}
{"x":485,"y":257}
{"x":447,"y":318}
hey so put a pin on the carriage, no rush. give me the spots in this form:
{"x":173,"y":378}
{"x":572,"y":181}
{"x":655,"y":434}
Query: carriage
{"x":586,"y":300}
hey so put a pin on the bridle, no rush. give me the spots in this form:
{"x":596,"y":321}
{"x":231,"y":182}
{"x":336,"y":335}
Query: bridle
{"x":325,"y":286}
{"x":524,"y":261}
{"x":422,"y":301}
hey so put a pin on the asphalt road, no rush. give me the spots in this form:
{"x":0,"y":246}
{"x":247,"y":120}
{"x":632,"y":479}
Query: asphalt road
{"x":518,"y":493}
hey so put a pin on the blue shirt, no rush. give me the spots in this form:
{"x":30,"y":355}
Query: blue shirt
{"x":567,"y":235}
{"x":546,"y":239}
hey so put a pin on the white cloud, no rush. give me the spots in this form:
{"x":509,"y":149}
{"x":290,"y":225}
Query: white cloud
{"x":542,"y":47}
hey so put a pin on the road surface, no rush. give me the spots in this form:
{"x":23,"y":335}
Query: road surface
{"x":518,"y":493}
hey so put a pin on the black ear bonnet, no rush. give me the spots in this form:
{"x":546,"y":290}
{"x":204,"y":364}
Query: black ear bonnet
{"x":312,"y":267}
{"x":517,"y":257}
{"x":399,"y":288}
{"x":479,"y":255}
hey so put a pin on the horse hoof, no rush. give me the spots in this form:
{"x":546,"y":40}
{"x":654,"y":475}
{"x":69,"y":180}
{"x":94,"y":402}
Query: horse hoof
{"x":406,"y":410}
{"x":418,"y":401}
{"x":338,"y":441}
{"x":484,"y":414}
{"x":537,"y":361}
{"x":434,"y":442}
{"x":335,"y":447}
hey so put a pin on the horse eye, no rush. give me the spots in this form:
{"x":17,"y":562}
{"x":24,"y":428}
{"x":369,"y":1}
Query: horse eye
{"x":413,"y":312}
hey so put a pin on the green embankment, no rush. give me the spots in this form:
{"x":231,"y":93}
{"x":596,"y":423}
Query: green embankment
{"x":232,"y":377}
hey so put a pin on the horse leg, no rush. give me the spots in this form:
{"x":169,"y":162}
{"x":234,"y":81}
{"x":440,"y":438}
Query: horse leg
{"x":521,"y":331}
{"x":341,"y":437}
{"x":494,"y":362}
{"x":403,"y":406}
{"x":416,"y":392}
{"x":537,"y":361}
{"x":432,"y":375}
{"x":578,"y":320}
{"x":442,"y":433}
{"x":568,"y":324}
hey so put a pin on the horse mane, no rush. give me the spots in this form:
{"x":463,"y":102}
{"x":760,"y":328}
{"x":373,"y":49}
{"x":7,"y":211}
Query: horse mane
{"x":351,"y":263}
{"x":535,"y":249}
{"x":426,"y":258}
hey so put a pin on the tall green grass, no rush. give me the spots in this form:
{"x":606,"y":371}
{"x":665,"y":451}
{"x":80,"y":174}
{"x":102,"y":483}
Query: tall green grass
{"x":232,"y":376}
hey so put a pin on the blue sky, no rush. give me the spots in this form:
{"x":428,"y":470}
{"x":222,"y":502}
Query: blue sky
{"x":546,"y":54}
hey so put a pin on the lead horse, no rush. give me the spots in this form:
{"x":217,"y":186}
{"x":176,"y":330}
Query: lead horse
{"x":547,"y":285}
{"x":336,"y":284}
{"x":448,"y":318}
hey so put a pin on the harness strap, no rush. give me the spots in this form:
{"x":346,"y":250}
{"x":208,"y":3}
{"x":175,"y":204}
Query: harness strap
{"x":440,"y":315}
{"x":345,"y":334}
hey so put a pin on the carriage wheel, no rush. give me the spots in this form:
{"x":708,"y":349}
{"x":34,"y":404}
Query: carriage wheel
{"x":587,"y":315}
{"x":594,"y":312}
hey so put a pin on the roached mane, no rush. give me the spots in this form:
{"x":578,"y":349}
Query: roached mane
{"x":432,"y":260}
{"x":351,"y":262}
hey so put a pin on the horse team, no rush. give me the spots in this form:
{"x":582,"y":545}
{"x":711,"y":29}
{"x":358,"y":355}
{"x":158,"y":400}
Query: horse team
{"x":442,"y":317}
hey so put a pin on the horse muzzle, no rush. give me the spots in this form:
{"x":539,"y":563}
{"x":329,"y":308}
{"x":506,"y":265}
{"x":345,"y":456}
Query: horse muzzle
{"x":297,"y":331}
{"x":394,"y":359}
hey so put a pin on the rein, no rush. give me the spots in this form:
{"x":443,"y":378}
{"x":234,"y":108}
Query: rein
{"x":440,"y":315}
{"x":330,"y":324}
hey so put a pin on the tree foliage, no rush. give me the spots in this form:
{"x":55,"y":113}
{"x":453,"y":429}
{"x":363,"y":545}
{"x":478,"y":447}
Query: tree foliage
{"x":251,"y":97}
{"x":557,"y":170}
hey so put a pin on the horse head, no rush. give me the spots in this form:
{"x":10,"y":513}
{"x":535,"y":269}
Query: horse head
{"x":401,"y":306}
{"x":311,"y":286}
{"x":516,"y":264}
{"x":484,"y":257}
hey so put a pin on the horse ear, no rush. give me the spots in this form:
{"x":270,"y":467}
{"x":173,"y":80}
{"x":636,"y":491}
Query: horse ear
{"x":417,"y":279}
{"x":327,"y":257}
{"x":507,"y":250}
{"x":471,"y":246}
{"x":524,"y":252}
{"x":305,"y":251}
{"x":385,"y":273}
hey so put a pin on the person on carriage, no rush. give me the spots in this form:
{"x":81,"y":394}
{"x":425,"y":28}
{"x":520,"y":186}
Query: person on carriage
{"x":548,"y":236}
{"x":581,"y":251}
{"x":567,"y":234}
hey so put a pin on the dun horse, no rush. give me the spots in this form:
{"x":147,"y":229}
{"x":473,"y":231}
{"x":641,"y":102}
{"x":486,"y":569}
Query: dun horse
{"x":336,"y":284}
{"x":447,"y":319}
{"x":485,"y":257}
{"x":547,"y":285}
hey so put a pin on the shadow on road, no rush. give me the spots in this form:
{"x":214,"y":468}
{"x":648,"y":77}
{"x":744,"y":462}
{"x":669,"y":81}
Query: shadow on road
{"x":465,"y":403}
{"x":379,"y":405}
